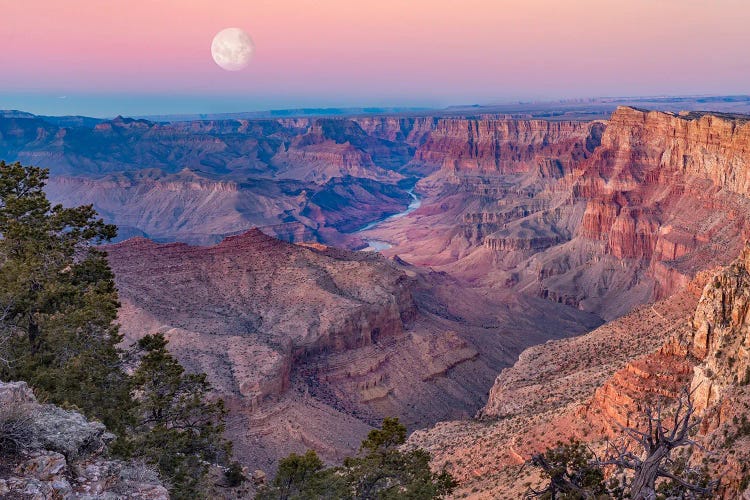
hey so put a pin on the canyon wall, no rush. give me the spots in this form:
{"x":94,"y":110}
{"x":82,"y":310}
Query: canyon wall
{"x":588,"y":387}
{"x":601,"y":219}
{"x":508,"y":146}
{"x":199,"y":181}
{"x":311,"y":346}
{"x":293,"y":300}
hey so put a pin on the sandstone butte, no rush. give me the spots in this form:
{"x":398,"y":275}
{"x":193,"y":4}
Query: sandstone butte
{"x":529,"y":231}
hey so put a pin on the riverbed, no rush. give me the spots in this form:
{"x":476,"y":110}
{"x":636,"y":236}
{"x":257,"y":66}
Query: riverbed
{"x":380,"y":245}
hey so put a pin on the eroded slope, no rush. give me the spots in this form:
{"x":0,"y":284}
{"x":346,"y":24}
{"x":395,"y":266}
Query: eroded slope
{"x":311,"y":345}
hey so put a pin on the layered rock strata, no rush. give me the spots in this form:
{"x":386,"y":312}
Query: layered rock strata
{"x":311,"y":346}
{"x":634,"y":212}
{"x":589,"y":387}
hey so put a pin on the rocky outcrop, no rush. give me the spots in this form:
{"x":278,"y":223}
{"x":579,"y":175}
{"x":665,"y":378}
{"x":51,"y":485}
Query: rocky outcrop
{"x":589,"y":387}
{"x":720,"y":333}
{"x":49,"y":452}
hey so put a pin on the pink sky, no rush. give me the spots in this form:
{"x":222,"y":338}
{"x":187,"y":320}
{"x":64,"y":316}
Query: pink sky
{"x":346,"y":52}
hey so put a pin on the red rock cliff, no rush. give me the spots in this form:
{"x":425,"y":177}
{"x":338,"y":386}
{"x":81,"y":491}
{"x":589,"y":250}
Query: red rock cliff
{"x":508,"y":146}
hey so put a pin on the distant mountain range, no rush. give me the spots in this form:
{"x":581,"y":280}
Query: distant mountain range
{"x":569,"y":108}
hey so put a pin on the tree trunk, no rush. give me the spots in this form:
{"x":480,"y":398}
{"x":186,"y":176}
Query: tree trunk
{"x":644,"y":482}
{"x":34,"y":340}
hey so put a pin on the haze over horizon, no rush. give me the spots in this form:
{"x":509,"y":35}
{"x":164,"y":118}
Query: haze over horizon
{"x":138,"y":57}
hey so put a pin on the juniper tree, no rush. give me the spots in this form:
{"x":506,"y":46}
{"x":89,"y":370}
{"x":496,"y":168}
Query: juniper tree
{"x":643,"y":459}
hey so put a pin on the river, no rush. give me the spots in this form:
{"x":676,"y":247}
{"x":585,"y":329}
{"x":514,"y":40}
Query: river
{"x":378,"y":245}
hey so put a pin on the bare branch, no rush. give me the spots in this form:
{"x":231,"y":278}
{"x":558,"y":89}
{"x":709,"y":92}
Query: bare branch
{"x":657,"y":443}
{"x":704,"y":490}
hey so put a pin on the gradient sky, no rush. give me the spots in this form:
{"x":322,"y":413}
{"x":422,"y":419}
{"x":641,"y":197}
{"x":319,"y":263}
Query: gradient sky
{"x":107,"y":57}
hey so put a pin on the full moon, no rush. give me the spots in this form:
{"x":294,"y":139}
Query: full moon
{"x":232,"y":49}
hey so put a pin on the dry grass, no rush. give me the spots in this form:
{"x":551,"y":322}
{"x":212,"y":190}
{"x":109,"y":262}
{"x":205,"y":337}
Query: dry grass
{"x":16,"y":428}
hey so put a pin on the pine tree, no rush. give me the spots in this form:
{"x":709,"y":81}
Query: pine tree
{"x":382,"y":470}
{"x":58,"y":306}
{"x":176,"y":425}
{"x":58,"y":300}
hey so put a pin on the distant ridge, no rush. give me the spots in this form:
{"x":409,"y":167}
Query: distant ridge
{"x":289,"y":113}
{"x":569,"y":109}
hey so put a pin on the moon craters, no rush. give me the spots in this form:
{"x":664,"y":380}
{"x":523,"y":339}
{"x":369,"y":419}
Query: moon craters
{"x":232,"y":49}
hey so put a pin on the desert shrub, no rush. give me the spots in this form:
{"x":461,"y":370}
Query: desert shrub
{"x":234,"y":475}
{"x":381,"y":470}
{"x":135,"y":471}
{"x":16,"y":428}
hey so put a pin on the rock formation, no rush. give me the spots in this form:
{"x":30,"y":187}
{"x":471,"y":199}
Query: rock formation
{"x":188,"y":206}
{"x":600,"y":219}
{"x":59,"y":454}
{"x":508,"y":146}
{"x":200,"y":181}
{"x":311,"y":346}
{"x":529,"y":230}
{"x":589,"y":386}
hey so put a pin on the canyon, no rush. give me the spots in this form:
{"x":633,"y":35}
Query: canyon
{"x":240,"y":245}
{"x":623,"y":216}
{"x":310,"y":346}
{"x":587,"y":387}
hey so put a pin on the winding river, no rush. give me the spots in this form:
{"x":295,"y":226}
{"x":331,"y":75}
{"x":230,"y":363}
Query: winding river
{"x":378,"y":245}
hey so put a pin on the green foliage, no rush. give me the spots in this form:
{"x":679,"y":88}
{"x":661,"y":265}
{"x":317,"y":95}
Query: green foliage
{"x":669,"y":488}
{"x":58,"y":300}
{"x":234,"y":475}
{"x":58,"y":306}
{"x":389,"y":437}
{"x":572,"y":471}
{"x":304,"y":476}
{"x":380,"y":471}
{"x":176,"y":426}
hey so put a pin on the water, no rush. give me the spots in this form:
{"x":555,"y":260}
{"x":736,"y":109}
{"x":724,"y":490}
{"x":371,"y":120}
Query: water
{"x":379,"y":245}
